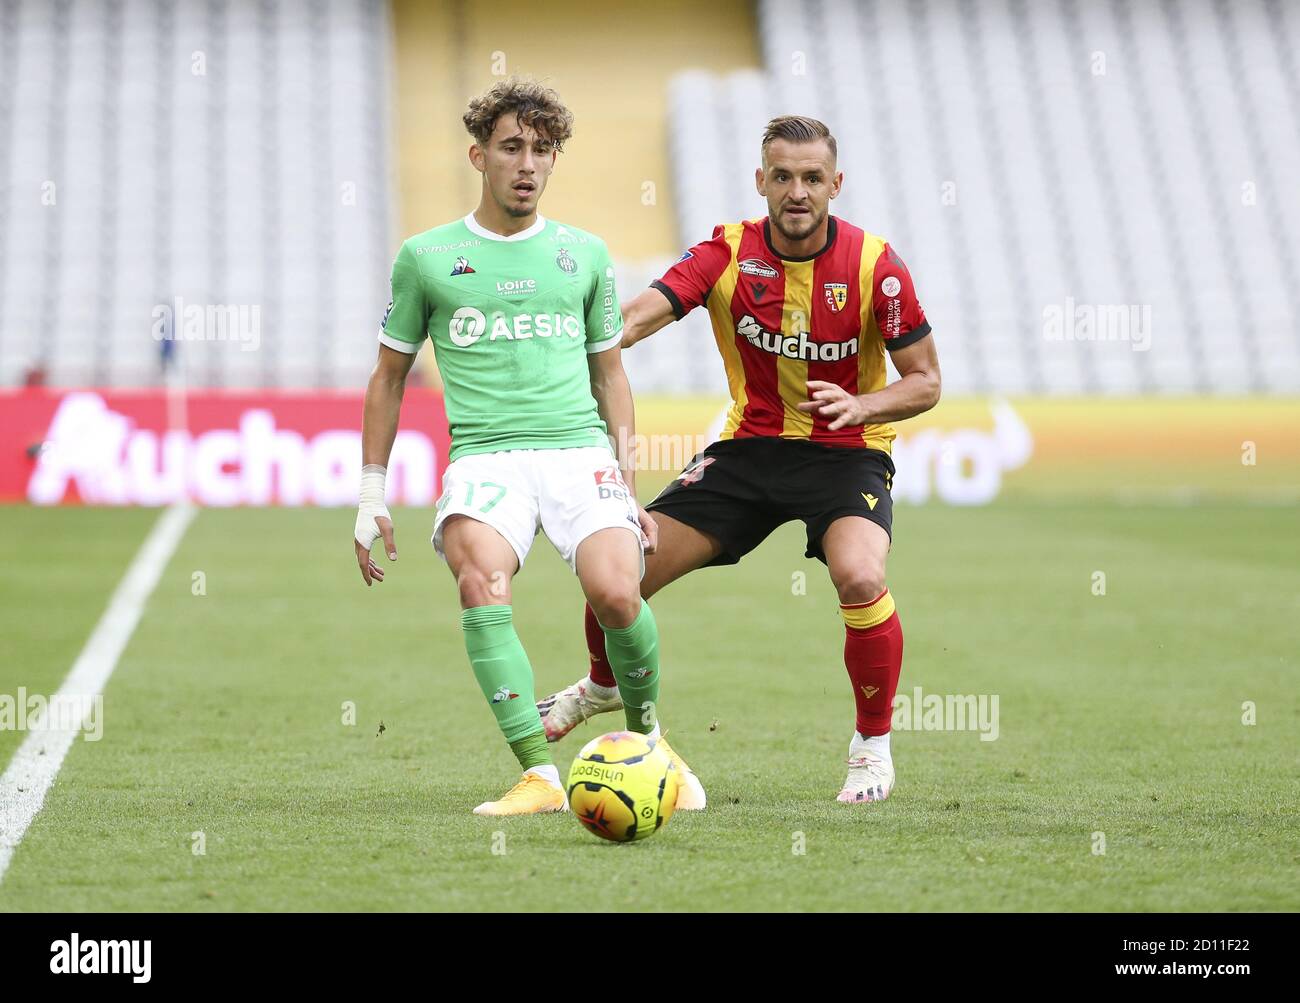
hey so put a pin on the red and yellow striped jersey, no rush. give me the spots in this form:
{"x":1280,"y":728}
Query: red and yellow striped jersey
{"x":782,"y":321}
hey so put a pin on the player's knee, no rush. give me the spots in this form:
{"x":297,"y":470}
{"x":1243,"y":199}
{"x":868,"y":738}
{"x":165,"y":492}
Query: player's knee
{"x":860,"y":583}
{"x":480,"y":587}
{"x":616,"y":604}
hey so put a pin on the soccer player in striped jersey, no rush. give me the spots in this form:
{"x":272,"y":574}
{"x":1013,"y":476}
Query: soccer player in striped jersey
{"x":804,"y":307}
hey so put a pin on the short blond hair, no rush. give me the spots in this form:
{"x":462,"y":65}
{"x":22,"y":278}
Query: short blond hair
{"x":530,"y":101}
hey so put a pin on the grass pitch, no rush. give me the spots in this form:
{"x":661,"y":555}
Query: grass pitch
{"x":1120,"y":724}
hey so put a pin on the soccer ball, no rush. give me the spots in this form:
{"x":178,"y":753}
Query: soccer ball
{"x":622,"y":786}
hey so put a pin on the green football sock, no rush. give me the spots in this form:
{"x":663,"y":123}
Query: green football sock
{"x":506,"y":679}
{"x":633,"y":654}
{"x":533,"y":750}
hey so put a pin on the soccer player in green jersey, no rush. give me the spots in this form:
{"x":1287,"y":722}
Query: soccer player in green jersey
{"x":526,"y":329}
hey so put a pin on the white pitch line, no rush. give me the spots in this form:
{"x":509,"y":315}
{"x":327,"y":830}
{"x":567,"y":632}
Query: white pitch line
{"x":36,"y":763}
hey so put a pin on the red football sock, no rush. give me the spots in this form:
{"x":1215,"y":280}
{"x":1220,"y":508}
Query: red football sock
{"x":600,"y":673}
{"x":873,"y":655}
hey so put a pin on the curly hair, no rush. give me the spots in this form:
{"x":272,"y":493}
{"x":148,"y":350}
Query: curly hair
{"x":530,"y":101}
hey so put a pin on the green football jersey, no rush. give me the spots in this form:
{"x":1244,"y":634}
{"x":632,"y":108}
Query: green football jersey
{"x":512,"y":320}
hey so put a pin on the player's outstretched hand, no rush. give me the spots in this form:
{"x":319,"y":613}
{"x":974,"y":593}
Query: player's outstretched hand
{"x":649,"y":530}
{"x":832,"y":401}
{"x":370,"y":528}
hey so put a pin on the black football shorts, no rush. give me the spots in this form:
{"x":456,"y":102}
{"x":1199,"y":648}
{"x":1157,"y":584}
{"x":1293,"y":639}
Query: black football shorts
{"x":740,"y":490}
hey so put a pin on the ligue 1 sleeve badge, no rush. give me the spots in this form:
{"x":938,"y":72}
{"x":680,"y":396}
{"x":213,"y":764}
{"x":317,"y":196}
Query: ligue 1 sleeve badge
{"x":565,"y":260}
{"x":837,"y":294}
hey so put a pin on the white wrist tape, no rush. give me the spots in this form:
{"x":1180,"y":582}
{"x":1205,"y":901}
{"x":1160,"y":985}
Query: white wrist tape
{"x":371,"y":505}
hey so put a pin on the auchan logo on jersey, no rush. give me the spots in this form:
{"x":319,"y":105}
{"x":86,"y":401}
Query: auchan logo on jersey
{"x":793,"y":346}
{"x":109,"y":448}
{"x":468,"y":325}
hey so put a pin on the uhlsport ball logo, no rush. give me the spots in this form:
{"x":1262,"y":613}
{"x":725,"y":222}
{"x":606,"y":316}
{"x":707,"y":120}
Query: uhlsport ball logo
{"x":622,"y":787}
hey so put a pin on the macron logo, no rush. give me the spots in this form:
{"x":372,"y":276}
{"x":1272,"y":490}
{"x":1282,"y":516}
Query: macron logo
{"x":102,"y":957}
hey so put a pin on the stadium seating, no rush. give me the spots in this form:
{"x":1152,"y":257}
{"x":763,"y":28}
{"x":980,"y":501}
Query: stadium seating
{"x":231,"y":154}
{"x":1024,"y":157}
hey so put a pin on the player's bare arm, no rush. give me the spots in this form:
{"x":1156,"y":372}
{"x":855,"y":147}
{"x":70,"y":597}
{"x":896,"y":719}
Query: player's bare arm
{"x":613,"y":395}
{"x":383,"y":405}
{"x":643,"y":316}
{"x":916,"y":391}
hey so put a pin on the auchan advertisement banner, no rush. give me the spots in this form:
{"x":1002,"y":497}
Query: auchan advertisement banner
{"x":222,"y":448}
{"x":149,"y":447}
{"x":1129,"y":450}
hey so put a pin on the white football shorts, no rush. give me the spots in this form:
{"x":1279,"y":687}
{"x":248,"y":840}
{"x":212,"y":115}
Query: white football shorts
{"x":567,"y":493}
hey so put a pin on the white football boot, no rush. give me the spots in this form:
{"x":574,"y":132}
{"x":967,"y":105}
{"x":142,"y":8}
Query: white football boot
{"x":871,"y":771}
{"x":563,"y":711}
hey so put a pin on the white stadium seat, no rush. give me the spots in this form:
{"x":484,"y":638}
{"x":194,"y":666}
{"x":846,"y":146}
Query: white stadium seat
{"x":232,"y":154}
{"x":1027,"y":160}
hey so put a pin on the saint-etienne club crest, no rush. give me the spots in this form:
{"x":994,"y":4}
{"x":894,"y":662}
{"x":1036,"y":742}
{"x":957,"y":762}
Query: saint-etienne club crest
{"x":565,"y":260}
{"x":837,"y":294}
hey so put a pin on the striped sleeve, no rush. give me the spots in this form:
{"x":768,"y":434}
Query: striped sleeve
{"x":898,"y":313}
{"x":688,"y":282}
